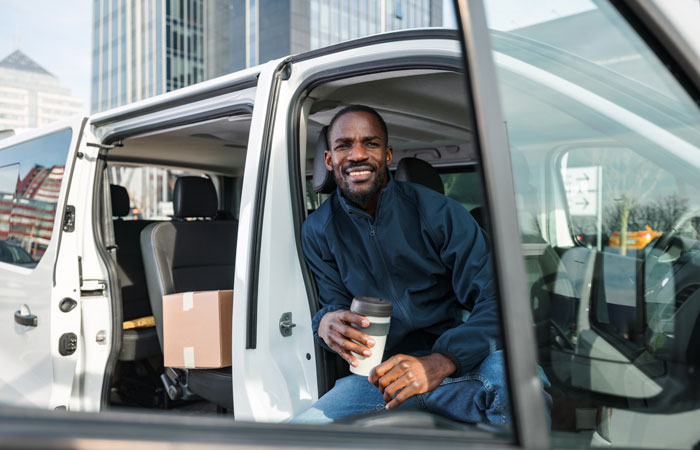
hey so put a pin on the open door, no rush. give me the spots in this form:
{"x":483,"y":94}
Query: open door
{"x":603,"y":160}
{"x":39,"y":271}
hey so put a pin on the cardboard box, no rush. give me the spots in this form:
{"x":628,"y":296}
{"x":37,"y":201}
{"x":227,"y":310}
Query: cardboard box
{"x":197,"y":329}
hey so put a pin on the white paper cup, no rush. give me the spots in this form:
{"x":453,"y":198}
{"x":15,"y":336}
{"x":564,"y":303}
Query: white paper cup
{"x":378,"y":312}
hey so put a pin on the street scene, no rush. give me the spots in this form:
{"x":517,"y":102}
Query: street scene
{"x":350,"y":223}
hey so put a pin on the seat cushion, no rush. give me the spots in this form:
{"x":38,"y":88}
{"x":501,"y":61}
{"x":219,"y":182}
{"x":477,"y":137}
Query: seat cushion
{"x":214,"y":385}
{"x":139,"y":343}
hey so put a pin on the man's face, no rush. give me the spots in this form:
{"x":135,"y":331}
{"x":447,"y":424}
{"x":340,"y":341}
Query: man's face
{"x":358,"y":157}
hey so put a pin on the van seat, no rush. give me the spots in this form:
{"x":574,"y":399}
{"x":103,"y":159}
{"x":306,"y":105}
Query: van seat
{"x":194,"y":253}
{"x":415,"y":170}
{"x":137,"y":343}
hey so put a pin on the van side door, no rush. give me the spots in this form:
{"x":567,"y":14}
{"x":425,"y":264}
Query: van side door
{"x":39,"y":265}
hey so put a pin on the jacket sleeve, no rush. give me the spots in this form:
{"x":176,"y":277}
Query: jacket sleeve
{"x":332,"y":293}
{"x":464,"y":249}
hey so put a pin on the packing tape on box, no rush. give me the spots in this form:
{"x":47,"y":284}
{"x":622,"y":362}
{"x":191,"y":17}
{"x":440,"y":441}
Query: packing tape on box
{"x":187,"y":301}
{"x":188,"y":355}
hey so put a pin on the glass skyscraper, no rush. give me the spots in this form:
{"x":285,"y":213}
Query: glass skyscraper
{"x":142,"y":48}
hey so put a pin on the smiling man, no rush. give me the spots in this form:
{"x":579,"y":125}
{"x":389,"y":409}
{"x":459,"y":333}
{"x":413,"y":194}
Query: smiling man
{"x":422,"y":251}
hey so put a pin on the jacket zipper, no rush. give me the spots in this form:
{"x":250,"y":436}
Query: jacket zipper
{"x":373,"y":235}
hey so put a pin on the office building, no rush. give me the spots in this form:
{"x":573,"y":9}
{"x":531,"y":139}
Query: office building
{"x":142,"y":48}
{"x":244,"y":33}
{"x":30,"y":96}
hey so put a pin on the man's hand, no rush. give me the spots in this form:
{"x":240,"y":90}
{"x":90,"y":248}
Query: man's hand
{"x":410,"y":375}
{"x":338,"y":334}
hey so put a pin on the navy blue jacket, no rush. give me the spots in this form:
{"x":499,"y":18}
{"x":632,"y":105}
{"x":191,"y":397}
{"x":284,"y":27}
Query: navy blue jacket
{"x":425,"y":253}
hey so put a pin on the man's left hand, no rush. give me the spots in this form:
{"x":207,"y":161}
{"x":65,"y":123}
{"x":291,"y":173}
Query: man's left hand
{"x":411,"y":375}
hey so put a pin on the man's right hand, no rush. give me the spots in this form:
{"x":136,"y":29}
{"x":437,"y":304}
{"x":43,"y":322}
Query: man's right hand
{"x":338,"y":334}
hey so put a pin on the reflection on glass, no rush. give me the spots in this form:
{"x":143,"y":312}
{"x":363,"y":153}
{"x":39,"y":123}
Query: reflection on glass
{"x":605,"y":148}
{"x":29,"y":194}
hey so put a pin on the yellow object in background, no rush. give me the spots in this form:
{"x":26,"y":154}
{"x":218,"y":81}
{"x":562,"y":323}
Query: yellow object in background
{"x":141,"y":322}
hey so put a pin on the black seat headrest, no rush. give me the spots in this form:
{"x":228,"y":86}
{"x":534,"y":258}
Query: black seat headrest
{"x":194,"y":197}
{"x":323,"y":181}
{"x":120,"y":200}
{"x":416,"y":170}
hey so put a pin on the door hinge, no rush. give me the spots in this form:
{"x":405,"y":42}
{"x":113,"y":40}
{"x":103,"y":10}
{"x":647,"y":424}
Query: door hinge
{"x":286,"y":324}
{"x":93,"y":288}
{"x":69,"y":219}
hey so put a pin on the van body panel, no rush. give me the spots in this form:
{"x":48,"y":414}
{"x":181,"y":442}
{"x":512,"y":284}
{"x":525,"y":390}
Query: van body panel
{"x":40,"y":361}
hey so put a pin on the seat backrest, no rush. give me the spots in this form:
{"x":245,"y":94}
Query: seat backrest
{"x":135,"y":302}
{"x":415,"y":170}
{"x":323,"y":180}
{"x":189,"y":255}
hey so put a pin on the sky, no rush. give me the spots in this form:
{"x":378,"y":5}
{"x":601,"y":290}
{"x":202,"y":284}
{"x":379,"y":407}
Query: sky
{"x":56,"y":34}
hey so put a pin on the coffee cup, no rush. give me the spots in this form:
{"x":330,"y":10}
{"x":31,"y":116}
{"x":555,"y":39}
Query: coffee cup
{"x":378,"y":312}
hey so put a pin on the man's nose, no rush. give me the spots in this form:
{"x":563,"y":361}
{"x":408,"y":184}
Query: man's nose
{"x":358,"y":152}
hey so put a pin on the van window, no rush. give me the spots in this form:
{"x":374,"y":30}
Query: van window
{"x":464,"y":186}
{"x":150,"y":189}
{"x":605,"y":148}
{"x":30,"y":181}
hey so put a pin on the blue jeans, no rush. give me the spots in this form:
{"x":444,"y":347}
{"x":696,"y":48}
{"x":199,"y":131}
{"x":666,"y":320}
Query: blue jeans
{"x":478,"y":396}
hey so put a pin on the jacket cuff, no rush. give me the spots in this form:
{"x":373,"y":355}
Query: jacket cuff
{"x":316,"y":321}
{"x":458,"y":366}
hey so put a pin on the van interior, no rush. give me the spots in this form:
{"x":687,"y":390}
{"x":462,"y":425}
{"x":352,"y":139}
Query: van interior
{"x":428,"y":124}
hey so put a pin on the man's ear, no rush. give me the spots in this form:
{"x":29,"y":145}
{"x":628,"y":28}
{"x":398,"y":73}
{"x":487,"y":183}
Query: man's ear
{"x":389,"y":155}
{"x":327,"y":157}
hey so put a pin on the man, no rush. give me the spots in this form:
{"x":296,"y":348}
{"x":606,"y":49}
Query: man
{"x":423,"y":252}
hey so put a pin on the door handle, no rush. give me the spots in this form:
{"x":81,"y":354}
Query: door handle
{"x":28,"y":320}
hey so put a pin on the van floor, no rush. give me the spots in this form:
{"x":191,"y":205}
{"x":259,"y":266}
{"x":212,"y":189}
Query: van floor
{"x":137,"y":386}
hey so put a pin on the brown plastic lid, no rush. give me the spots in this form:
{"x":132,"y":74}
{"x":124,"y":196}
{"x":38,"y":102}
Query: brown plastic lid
{"x":371,"y":306}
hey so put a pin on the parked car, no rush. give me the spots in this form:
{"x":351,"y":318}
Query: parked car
{"x":635,"y":239}
{"x":614,"y":334}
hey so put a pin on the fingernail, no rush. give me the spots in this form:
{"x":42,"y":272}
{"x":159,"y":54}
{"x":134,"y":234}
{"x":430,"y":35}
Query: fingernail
{"x":365,"y":323}
{"x":387,"y":407}
{"x":367,"y":353}
{"x":370,"y":342}
{"x":354,"y":363}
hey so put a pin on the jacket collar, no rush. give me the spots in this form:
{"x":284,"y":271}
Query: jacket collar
{"x":385,"y":196}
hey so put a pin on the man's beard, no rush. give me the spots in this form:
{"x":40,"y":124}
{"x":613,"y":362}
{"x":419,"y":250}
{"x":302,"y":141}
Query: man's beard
{"x":361,"y":198}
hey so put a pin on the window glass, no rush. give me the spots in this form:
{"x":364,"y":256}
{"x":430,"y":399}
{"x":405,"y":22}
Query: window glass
{"x":29,"y":194}
{"x":605,"y":149}
{"x":465,"y":187}
{"x":150,"y":190}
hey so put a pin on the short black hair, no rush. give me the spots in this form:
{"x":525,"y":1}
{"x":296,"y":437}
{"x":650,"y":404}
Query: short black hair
{"x":352,"y":109}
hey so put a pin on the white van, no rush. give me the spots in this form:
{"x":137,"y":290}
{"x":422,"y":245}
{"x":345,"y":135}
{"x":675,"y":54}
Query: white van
{"x":207,"y":188}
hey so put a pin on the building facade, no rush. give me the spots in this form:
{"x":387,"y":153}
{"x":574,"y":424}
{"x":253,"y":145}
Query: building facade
{"x":30,"y":96}
{"x":244,"y":33}
{"x":142,"y":48}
